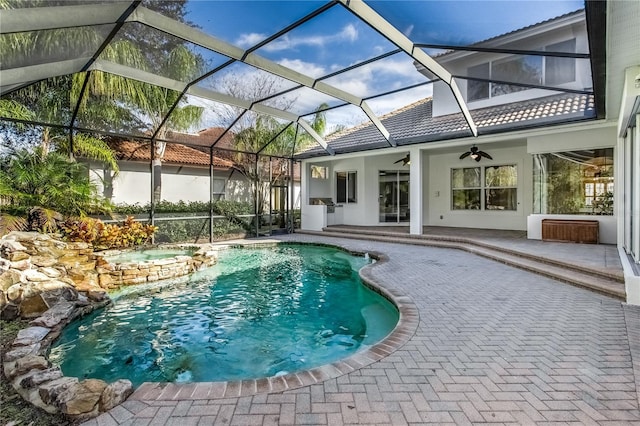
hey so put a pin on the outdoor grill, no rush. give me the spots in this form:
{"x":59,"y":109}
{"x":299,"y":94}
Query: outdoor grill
{"x":331,"y":207}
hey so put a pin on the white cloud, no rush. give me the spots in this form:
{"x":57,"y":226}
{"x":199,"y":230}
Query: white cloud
{"x":377,"y":77}
{"x":397,"y":67}
{"x":409,"y":30}
{"x":306,"y":68}
{"x":349,"y":34}
{"x":251,"y":39}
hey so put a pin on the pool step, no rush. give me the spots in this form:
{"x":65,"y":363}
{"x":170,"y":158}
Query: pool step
{"x":604,"y":282}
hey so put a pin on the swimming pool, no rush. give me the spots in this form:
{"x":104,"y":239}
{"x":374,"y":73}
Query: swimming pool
{"x":257,"y":313}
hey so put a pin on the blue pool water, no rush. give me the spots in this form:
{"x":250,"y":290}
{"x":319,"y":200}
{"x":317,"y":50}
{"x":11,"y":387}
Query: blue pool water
{"x":257,"y":313}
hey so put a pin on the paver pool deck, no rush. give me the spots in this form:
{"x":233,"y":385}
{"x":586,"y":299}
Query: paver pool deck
{"x":491,"y":344}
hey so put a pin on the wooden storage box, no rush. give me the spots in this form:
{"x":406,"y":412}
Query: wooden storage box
{"x":577,"y":231}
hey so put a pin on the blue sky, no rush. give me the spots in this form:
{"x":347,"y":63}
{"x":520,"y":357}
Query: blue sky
{"x":336,"y":39}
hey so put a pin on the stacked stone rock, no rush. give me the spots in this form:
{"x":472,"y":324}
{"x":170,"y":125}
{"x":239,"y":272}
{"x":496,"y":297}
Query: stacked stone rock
{"x":42,"y":384}
{"x":37,"y":271}
{"x":53,"y":282}
{"x":116,"y":275}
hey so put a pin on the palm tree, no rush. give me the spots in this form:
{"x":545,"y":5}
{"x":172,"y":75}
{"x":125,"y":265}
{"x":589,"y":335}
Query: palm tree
{"x":29,"y":178}
{"x":109,"y":100}
{"x":147,"y":105}
{"x":270,"y":137}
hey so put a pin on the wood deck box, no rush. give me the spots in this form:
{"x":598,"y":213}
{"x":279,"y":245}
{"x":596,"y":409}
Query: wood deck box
{"x":577,"y":231}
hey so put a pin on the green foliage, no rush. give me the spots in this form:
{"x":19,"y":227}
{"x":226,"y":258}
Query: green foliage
{"x":93,"y":231}
{"x":220,"y":207}
{"x":183,"y":231}
{"x":603,"y":204}
{"x":85,"y":230}
{"x":197,"y":230}
{"x":193,"y":230}
{"x":51,"y":181}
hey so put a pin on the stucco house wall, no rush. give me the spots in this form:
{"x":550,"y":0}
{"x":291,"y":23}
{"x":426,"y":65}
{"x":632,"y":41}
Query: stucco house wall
{"x":439,"y":191}
{"x":179,"y":183}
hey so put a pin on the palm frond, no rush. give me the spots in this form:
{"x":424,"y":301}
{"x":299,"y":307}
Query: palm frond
{"x":13,"y":109}
{"x":93,"y":148}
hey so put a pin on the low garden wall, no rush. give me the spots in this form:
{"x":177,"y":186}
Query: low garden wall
{"x":53,"y":282}
{"x":114,"y":275}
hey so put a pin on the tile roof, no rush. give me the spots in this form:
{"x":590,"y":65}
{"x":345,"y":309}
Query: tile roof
{"x":205,"y":137}
{"x":178,"y":154}
{"x":174,"y":154}
{"x":415,"y":123}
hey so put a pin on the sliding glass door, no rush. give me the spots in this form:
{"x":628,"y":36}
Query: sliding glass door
{"x":393,"y":196}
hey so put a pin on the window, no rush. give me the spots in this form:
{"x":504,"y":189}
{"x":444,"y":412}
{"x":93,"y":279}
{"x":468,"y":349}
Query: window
{"x":346,"y":185}
{"x":465,"y":184}
{"x":522,"y":69}
{"x":319,"y":172}
{"x":478,"y":89}
{"x":218,"y":189}
{"x":560,"y":70}
{"x":574,"y":182}
{"x":499,"y":186}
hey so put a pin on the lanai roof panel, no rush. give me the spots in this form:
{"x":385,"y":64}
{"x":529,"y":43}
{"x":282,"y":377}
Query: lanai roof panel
{"x":305,"y":45}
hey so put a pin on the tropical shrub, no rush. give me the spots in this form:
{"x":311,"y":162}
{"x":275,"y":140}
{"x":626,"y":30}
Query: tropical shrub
{"x":108,"y":236}
{"x":51,"y":181}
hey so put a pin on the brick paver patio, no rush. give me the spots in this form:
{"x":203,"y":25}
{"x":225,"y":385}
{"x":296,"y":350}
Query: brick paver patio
{"x":494,"y":344}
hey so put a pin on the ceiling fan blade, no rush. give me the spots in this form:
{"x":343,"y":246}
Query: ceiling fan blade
{"x":485,"y":155}
{"x":404,"y":160}
{"x":465,"y":155}
{"x":478,"y":158}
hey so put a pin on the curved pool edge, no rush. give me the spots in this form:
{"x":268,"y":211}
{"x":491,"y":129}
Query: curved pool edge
{"x":405,"y":328}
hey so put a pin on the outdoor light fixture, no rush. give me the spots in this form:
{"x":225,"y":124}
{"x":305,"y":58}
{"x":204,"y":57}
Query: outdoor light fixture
{"x":475,"y":154}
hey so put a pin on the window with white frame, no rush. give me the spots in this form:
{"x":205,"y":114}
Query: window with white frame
{"x":466,"y":188}
{"x":560,"y":70}
{"x":319,"y":172}
{"x":484,"y":188}
{"x":525,"y":69}
{"x":219,"y":185}
{"x":346,"y":185}
{"x":501,"y":187}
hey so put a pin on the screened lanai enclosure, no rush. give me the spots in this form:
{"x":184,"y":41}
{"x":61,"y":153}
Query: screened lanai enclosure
{"x":194,"y":115}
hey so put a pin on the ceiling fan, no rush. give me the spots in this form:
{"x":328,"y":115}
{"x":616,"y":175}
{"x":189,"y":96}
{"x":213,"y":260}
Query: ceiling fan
{"x":406,"y":160}
{"x":476,"y":154}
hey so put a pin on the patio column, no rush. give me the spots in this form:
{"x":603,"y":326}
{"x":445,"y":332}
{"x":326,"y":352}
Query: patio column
{"x":415,"y":191}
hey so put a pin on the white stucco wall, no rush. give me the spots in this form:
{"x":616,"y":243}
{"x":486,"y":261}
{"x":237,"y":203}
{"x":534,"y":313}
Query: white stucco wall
{"x":623,"y":48}
{"x":581,"y":137}
{"x":440,"y":212}
{"x":133,"y":184}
